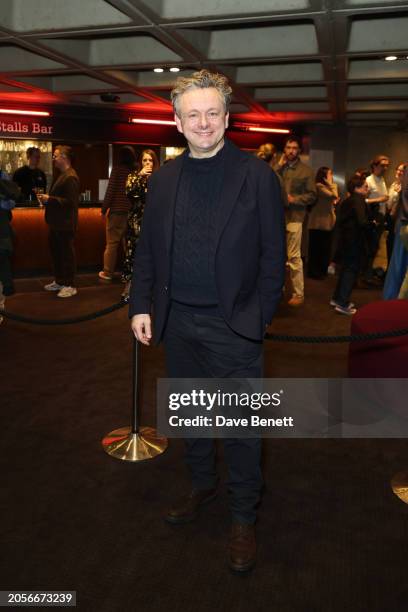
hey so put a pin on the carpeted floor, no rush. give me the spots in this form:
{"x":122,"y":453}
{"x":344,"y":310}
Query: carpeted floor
{"x":332,"y":535}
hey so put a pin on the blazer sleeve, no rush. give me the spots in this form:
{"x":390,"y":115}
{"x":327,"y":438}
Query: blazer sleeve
{"x":67,"y":194}
{"x":273,"y":244}
{"x":143,"y":263}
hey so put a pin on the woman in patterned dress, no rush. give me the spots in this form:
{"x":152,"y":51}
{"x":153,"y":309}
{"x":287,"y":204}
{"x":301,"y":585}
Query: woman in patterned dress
{"x":136,"y":189}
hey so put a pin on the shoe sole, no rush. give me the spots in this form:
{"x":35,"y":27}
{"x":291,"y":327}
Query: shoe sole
{"x":348,"y":314}
{"x":191,"y":517}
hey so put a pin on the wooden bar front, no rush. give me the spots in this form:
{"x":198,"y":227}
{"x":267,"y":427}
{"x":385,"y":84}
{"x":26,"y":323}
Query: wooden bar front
{"x":31,"y":251}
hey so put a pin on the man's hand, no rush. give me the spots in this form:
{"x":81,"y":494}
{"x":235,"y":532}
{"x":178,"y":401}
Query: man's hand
{"x":291,"y":199}
{"x":142,"y":328}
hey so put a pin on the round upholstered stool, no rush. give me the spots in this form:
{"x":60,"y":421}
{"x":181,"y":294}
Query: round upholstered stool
{"x":387,"y":358}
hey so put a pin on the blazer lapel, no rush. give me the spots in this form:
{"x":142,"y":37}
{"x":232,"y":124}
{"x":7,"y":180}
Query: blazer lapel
{"x":170,"y":194}
{"x":234,"y":175}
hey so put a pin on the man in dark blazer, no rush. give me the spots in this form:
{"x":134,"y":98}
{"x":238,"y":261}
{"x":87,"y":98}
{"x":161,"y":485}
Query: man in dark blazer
{"x":211,"y":261}
{"x":61,"y":214}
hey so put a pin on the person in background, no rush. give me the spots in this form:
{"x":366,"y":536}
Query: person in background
{"x":396,"y":273}
{"x":30,"y":178}
{"x":403,"y":293}
{"x":352,"y":220}
{"x":322,"y":220}
{"x":61,"y":214}
{"x":267,"y":152}
{"x":136,"y":189}
{"x":377,"y":199}
{"x":299,"y":185}
{"x":116,"y":206}
{"x":394,"y":196}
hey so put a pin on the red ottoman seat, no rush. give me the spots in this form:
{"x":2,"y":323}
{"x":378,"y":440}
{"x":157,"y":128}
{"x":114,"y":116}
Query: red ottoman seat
{"x":387,"y":358}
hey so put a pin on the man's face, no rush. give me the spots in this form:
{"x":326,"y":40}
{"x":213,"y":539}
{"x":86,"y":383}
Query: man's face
{"x":34,"y":159}
{"x":202,"y":120}
{"x":59,"y":159}
{"x":292,"y":151}
{"x":382,"y":167}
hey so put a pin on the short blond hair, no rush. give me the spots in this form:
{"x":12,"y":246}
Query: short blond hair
{"x":202,"y":80}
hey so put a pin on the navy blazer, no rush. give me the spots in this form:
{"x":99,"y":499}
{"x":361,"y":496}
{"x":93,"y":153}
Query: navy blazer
{"x":250,"y":245}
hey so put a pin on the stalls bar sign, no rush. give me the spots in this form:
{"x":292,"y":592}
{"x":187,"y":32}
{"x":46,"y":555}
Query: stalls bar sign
{"x":31,"y":128}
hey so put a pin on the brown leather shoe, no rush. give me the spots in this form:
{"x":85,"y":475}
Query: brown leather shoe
{"x":186,"y":509}
{"x":242,"y":547}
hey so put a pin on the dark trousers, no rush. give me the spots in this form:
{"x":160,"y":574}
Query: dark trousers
{"x":349,"y":271}
{"x":203,"y":346}
{"x":63,"y":256}
{"x":319,"y":252}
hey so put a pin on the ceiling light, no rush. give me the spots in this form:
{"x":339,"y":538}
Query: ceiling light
{"x":158,"y":69}
{"x":266,"y":129}
{"x":174,"y":69}
{"x":13,"y":111}
{"x":153,"y":121}
{"x":391,"y":58}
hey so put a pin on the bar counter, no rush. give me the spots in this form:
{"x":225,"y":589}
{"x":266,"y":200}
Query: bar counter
{"x":31,"y":252}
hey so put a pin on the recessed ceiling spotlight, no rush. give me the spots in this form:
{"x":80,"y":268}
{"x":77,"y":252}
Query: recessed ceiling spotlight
{"x":391,"y":58}
{"x":158,"y":69}
{"x":174,"y":69}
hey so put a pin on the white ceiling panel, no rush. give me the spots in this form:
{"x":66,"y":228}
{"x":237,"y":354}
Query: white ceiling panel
{"x":180,"y":9}
{"x":385,"y":34}
{"x":289,"y":93}
{"x":124,"y":50}
{"x":251,"y":42}
{"x":279,"y":73}
{"x":43,"y":15}
{"x":377,"y":69}
{"x":21,"y":60}
{"x":71,"y":82}
{"x":371,"y":90}
{"x":373,"y":3}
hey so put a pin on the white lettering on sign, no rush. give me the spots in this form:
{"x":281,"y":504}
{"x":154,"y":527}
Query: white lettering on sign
{"x":17,"y":127}
{"x":41,"y":129}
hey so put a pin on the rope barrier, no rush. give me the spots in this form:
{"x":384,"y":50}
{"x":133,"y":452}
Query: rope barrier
{"x":396,"y":333}
{"x":88,"y":317}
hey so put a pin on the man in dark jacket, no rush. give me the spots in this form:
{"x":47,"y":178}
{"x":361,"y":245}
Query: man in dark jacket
{"x":61,"y":214}
{"x":211,"y":258}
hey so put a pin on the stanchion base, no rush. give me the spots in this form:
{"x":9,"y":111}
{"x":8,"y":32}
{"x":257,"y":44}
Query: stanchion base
{"x":123,"y":444}
{"x":399,"y":484}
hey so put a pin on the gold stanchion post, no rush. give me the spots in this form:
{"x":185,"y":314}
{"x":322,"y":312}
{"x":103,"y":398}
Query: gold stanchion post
{"x":134,"y":443}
